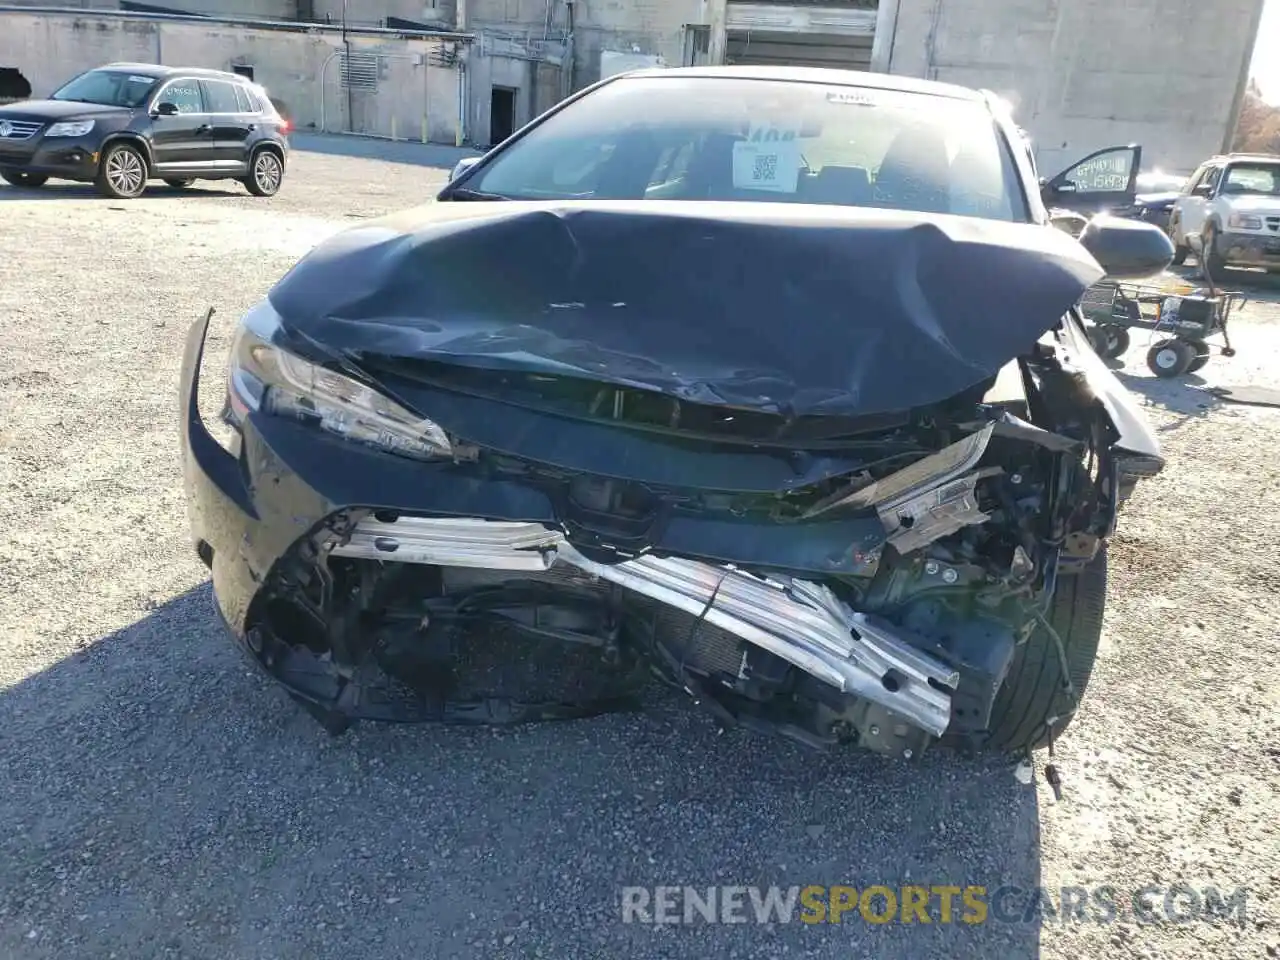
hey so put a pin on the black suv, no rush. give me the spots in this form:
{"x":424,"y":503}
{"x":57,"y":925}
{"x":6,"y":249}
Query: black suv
{"x":120,"y":125}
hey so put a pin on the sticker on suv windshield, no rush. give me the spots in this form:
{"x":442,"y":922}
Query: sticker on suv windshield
{"x":141,"y":79}
{"x":769,"y":159}
{"x":859,"y":98}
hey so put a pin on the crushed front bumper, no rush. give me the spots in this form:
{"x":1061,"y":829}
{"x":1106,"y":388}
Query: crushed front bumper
{"x":249,"y":511}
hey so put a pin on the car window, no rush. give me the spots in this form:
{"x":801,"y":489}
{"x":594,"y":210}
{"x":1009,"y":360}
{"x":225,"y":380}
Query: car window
{"x":243,"y":102}
{"x":1105,"y":173}
{"x":683,"y":138}
{"x":113,"y":88}
{"x":1252,"y":178}
{"x":183,"y":94}
{"x":220,"y":97}
{"x":1211,"y":177}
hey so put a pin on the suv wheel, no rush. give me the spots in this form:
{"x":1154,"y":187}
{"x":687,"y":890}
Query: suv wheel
{"x":265,"y":173}
{"x":19,"y":179}
{"x":122,"y":174}
{"x":1180,"y":250}
{"x":1214,"y":264}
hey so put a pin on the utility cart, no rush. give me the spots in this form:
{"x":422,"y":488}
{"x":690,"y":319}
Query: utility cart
{"x":1182,"y":319}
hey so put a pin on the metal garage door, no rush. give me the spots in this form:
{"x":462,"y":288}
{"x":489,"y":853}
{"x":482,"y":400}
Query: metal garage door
{"x":761,"y":48}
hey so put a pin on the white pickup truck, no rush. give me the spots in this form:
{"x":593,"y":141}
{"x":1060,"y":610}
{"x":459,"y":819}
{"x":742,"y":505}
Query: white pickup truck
{"x":1229,"y":214}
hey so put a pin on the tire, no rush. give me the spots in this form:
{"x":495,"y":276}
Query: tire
{"x":266,"y":173}
{"x":19,"y":179}
{"x":1180,"y":250}
{"x":1214,"y":265}
{"x":1202,"y":355}
{"x":1033,"y":693}
{"x":181,"y":184}
{"x":1110,"y":341}
{"x":122,"y":173}
{"x":1170,"y":358}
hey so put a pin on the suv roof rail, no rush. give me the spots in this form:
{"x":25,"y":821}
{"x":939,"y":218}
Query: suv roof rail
{"x":1246,"y":155}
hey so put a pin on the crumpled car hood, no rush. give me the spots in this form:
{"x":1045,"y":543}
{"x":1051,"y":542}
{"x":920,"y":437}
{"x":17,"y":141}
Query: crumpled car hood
{"x":776,"y":307}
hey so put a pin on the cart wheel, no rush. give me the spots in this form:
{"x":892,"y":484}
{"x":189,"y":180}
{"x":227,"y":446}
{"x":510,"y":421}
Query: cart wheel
{"x":1202,"y":355}
{"x":1170,"y":358}
{"x":1110,"y":341}
{"x":1228,"y":351}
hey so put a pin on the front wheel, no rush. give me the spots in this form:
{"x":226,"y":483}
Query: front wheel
{"x":122,"y":175}
{"x":1110,"y":340}
{"x":1171,"y":358}
{"x":266,"y":173}
{"x":1033,"y":699}
{"x":1180,"y":250}
{"x":1215,"y":264}
{"x":19,"y":179}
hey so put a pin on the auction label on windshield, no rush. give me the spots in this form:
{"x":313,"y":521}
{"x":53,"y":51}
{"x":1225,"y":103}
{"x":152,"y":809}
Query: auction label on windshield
{"x":769,"y":159}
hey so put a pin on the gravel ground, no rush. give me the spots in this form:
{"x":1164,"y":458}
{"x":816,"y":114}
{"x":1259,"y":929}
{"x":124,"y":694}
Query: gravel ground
{"x":160,"y":800}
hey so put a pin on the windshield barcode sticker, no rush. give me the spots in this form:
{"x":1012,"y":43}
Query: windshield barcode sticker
{"x":769,"y":159}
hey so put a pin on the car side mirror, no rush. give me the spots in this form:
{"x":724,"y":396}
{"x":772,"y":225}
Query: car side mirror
{"x":1050,"y":190}
{"x":462,"y":166}
{"x":1068,"y":221}
{"x":1127,"y":249}
{"x":166,"y":109}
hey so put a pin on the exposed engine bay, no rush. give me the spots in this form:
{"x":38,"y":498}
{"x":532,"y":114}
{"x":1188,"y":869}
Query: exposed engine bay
{"x":982,"y":503}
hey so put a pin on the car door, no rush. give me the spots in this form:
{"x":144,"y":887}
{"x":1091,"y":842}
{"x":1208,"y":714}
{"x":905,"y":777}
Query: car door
{"x":1193,"y":207}
{"x":1104,"y":180}
{"x":231,"y":125}
{"x":181,"y":137}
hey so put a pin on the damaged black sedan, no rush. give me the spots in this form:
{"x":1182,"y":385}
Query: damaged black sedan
{"x":768,"y":382}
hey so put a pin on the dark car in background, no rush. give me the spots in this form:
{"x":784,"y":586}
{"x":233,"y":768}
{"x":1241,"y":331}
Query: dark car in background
{"x":123,"y":124}
{"x":1156,"y":193}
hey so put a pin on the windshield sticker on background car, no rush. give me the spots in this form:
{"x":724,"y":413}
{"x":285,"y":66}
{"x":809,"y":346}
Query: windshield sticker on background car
{"x":769,"y":159}
{"x":141,"y":79}
{"x":858,"y":98}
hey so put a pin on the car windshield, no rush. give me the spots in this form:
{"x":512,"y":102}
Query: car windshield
{"x":112,"y":88}
{"x":719,"y":138}
{"x":1258,"y":178}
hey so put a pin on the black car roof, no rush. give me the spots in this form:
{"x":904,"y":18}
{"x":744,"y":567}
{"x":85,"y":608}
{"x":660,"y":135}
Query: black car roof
{"x":824,"y":75}
{"x":160,"y":70}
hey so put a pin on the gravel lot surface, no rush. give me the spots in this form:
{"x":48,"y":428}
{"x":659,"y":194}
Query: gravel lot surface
{"x":159,"y":800}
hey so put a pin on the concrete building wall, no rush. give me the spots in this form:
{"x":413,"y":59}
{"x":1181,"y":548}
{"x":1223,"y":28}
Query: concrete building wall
{"x":249,"y":9}
{"x":654,"y":27}
{"x":298,"y":68}
{"x":433,"y":12}
{"x":1086,"y":74}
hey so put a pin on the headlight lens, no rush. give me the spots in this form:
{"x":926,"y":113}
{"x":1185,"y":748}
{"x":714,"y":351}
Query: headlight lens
{"x":70,"y":128}
{"x":1243,"y":221}
{"x":263,"y":377}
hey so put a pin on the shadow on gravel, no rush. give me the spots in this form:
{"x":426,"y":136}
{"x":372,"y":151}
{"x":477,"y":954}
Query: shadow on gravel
{"x":389,"y":151}
{"x":162,"y":799}
{"x":86,"y":191}
{"x":1185,"y":396}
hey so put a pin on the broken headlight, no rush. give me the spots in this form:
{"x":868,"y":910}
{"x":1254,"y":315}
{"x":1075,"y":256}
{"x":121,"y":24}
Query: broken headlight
{"x":263,"y":377}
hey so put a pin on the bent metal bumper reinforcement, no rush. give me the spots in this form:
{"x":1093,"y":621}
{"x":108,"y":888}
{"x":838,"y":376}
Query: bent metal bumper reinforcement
{"x":799,"y":621}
